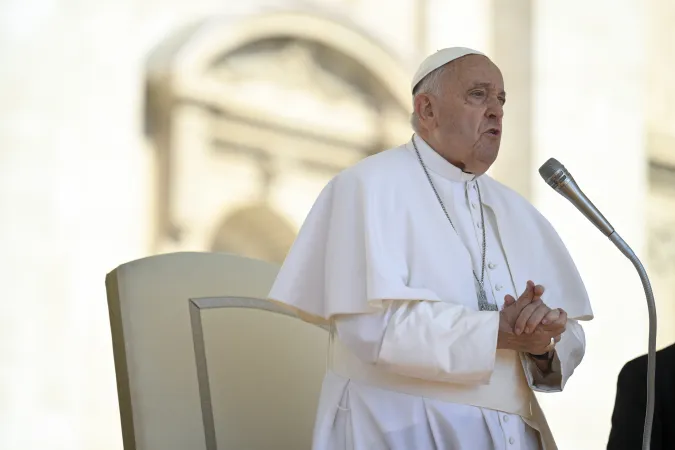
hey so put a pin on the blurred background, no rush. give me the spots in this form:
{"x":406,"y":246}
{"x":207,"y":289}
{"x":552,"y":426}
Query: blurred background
{"x":135,"y":127}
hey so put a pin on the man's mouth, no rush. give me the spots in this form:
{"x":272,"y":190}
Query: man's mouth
{"x":494,"y":131}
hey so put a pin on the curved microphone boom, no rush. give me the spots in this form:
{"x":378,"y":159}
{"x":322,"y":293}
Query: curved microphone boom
{"x":556,"y":176}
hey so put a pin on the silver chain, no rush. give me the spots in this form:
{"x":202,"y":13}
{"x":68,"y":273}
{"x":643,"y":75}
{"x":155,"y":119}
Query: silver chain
{"x":480,"y":281}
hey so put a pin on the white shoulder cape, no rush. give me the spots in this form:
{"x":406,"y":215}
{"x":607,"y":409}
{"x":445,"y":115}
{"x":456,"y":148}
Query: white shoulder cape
{"x":361,"y":244}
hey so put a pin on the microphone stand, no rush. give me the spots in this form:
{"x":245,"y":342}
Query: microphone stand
{"x":651,"y":353}
{"x":558,"y":178}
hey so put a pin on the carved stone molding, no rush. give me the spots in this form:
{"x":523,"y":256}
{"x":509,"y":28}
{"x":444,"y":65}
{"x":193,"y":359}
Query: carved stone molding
{"x":274,"y":90}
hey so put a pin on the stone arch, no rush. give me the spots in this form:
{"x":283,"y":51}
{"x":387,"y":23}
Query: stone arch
{"x":263,"y":94}
{"x":189,"y":53}
{"x":255,"y":231}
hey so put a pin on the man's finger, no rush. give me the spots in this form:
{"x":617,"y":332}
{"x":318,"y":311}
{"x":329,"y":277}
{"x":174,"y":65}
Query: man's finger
{"x":536,"y":317}
{"x":551,"y":317}
{"x":525,"y":316}
{"x":508,"y":301}
{"x":551,"y":329}
{"x":527,"y":296}
{"x":562,"y":318}
{"x":539,"y":291}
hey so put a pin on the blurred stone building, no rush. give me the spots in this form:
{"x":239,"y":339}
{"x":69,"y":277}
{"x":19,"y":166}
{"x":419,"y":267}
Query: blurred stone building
{"x":129,"y":128}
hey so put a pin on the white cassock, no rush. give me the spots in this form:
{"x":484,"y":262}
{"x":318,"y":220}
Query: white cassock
{"x":412,"y":361}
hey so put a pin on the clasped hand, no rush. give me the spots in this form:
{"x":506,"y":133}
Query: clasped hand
{"x":527,"y":324}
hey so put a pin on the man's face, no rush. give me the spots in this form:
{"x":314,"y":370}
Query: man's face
{"x":465,"y":126}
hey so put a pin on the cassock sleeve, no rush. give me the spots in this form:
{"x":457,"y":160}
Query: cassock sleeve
{"x":427,"y":340}
{"x":568,"y":355}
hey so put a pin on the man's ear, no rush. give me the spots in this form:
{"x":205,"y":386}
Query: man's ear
{"x":424,"y":107}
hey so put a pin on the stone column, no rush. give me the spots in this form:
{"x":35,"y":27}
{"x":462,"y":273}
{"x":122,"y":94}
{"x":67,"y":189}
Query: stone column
{"x":458,"y":23}
{"x":512,"y":48}
{"x":73,"y":202}
{"x":589,"y":74}
{"x":661,"y":146}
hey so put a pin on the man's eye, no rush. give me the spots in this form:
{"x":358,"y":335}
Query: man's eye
{"x":502,"y":100}
{"x":477,"y":93}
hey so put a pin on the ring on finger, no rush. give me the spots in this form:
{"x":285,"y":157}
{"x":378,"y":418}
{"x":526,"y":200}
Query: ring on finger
{"x":551,"y":345}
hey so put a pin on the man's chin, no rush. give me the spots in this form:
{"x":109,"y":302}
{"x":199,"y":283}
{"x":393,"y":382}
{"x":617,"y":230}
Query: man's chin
{"x":488,"y":159}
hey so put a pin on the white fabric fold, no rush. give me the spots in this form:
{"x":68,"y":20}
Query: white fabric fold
{"x":426,"y":340}
{"x":344,"y":260}
{"x":356,"y":416}
{"x":422,"y":340}
{"x":377,"y":233}
{"x":442,"y":342}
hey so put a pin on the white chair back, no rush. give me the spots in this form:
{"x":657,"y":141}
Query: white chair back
{"x":204,"y":362}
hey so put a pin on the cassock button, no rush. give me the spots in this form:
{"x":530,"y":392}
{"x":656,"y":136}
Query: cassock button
{"x":492,"y":265}
{"x":512,"y":441}
{"x":478,"y":224}
{"x":506,"y":418}
{"x":473,"y":205}
{"x":499,"y":287}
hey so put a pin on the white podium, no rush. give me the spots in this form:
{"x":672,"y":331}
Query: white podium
{"x":204,"y":362}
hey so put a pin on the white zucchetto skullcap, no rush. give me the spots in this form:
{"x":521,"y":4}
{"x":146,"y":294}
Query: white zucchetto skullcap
{"x":439,"y":59}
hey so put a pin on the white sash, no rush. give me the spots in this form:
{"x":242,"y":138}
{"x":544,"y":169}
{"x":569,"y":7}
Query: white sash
{"x":507,"y":391}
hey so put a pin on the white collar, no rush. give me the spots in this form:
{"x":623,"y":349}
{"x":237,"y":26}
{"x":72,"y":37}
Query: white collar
{"x":436,"y":163}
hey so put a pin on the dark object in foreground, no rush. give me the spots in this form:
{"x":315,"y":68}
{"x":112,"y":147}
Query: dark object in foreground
{"x":629,"y":407}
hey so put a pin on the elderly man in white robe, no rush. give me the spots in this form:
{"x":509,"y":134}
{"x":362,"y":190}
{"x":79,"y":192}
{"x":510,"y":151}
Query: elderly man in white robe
{"x":449,"y":298}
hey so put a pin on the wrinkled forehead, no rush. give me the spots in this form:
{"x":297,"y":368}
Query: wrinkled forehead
{"x":476,"y":69}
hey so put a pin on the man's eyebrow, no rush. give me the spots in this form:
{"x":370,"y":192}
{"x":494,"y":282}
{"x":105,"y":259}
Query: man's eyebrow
{"x":486,"y":85}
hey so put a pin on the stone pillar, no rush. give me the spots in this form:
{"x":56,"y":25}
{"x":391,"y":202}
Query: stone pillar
{"x":588,"y":113}
{"x":458,"y":23}
{"x":512,"y":48}
{"x":661,"y":235}
{"x":661,"y":145}
{"x":73,"y":202}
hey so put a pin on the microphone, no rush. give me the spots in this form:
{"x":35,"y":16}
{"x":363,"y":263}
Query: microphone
{"x":557,"y":176}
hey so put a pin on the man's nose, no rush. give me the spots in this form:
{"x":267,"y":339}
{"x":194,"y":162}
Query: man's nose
{"x":495,"y":109}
